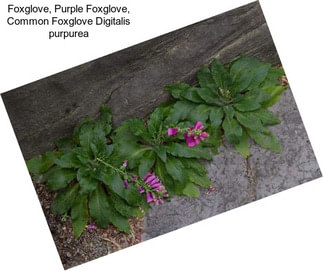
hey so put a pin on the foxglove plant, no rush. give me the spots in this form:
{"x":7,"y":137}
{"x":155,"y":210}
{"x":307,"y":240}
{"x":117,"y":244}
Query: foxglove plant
{"x":87,"y":179}
{"x":155,"y":146}
{"x":232,"y":98}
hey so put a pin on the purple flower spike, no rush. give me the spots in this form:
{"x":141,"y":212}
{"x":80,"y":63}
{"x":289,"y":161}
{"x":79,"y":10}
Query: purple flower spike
{"x":172,"y":131}
{"x":126,"y":184}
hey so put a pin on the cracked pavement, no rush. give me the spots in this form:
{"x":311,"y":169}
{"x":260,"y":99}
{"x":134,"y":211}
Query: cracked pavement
{"x":239,"y":181}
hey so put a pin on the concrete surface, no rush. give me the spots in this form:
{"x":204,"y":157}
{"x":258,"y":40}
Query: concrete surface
{"x":239,"y":181}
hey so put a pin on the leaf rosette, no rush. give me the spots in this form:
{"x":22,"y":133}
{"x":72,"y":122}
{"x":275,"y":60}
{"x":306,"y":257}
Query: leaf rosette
{"x":234,"y":98}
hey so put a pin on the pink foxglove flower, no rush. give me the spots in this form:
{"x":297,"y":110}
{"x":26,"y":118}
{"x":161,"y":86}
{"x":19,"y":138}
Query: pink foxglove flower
{"x":152,"y":180}
{"x":195,"y":134}
{"x":172,"y":131}
{"x":125,"y":163}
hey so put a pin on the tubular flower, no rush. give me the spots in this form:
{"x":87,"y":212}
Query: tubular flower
{"x":91,"y":227}
{"x":125,"y":163}
{"x":158,"y":190}
{"x":195,"y":134}
{"x":172,"y":131}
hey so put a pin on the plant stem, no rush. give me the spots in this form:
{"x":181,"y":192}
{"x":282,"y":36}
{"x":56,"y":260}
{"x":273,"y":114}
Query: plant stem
{"x":108,"y":165}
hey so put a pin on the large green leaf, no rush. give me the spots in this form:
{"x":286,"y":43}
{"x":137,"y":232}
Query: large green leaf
{"x":65,"y":144}
{"x":175,"y":169}
{"x":180,"y":111}
{"x":86,"y":181}
{"x":123,"y":207}
{"x":243,"y":146}
{"x":232,"y":130}
{"x":195,"y":165}
{"x":41,"y":164}
{"x":99,"y":207}
{"x":209,"y":96}
{"x":216,"y":116}
{"x":275,"y":92}
{"x":64,"y":200}
{"x":177,"y":89}
{"x":247,"y":104}
{"x":146,"y":163}
{"x":182,"y":150}
{"x":58,"y":178}
{"x":272,"y":78}
{"x":248,"y":73}
{"x":165,"y":178}
{"x":68,"y":160}
{"x":267,"y":117}
{"x":200,"y":113}
{"x":266,"y":140}
{"x":191,"y":190}
{"x":155,"y":121}
{"x":205,"y":78}
{"x":79,"y":214}
{"x":220,"y":75}
{"x":203,"y":181}
{"x":114,"y":181}
{"x":249,"y":120}
{"x":161,"y":152}
{"x":192,"y":94}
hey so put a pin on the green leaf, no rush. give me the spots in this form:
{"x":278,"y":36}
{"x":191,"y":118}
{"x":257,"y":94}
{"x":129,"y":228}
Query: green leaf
{"x":64,"y":200}
{"x":180,"y":111}
{"x":248,"y":73}
{"x":161,"y":152}
{"x":273,"y":76}
{"x":249,"y":120}
{"x":79,"y":214}
{"x":87,"y":183}
{"x":123,"y":207}
{"x":247,"y":104}
{"x":220,"y":75}
{"x":146,"y":163}
{"x":119,"y":221}
{"x":182,"y":150}
{"x":191,"y":190}
{"x":209,"y":96}
{"x":216,"y":116}
{"x":275,"y":92}
{"x":155,"y":121}
{"x":228,"y":111}
{"x":175,"y":169}
{"x":192,"y":94}
{"x":267,"y":117}
{"x":205,"y":79}
{"x":195,"y":165}
{"x":266,"y":140}
{"x":137,"y":127}
{"x":68,"y":160}
{"x":59,"y":178}
{"x":243,"y":146}
{"x":200,"y":113}
{"x":165,"y":179}
{"x":99,"y":207}
{"x":65,"y":144}
{"x":41,"y":164}
{"x":193,"y":177}
{"x":133,"y":197}
{"x":114,"y":182}
{"x":177,"y":89}
{"x":232,"y":130}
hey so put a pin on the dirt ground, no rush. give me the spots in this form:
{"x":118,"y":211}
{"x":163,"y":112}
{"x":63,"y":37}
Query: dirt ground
{"x":92,"y":244}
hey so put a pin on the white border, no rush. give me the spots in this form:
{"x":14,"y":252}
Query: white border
{"x":281,"y":232}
